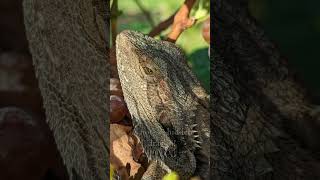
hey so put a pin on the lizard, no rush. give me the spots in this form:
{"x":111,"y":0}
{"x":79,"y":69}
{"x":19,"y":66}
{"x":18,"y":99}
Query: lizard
{"x":168,"y":106}
{"x":68,"y":41}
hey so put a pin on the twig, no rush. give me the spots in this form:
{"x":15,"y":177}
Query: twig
{"x":162,"y":26}
{"x":181,"y":21}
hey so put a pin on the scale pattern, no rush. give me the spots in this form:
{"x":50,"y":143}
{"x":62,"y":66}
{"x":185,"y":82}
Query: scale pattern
{"x":68,"y":42}
{"x":255,"y":100}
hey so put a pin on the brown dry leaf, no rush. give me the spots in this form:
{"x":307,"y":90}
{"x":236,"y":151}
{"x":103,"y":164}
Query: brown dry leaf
{"x":121,"y":151}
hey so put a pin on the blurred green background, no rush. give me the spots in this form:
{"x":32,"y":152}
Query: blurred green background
{"x":295,"y":27}
{"x":190,"y":41}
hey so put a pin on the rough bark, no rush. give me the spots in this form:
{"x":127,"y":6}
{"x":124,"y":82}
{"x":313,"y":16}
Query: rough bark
{"x":265,"y":73}
{"x":68,"y":41}
{"x":258,"y":106}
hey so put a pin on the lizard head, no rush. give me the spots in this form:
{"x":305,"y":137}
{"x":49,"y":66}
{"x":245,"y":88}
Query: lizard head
{"x":147,"y":69}
{"x":147,"y":57}
{"x":154,"y":68}
{"x":155,"y":74}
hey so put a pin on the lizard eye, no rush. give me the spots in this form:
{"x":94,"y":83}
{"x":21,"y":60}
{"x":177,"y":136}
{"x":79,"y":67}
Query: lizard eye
{"x":147,"y":70}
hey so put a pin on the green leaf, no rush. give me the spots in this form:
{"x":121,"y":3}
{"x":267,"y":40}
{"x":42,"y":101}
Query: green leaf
{"x":201,"y":10}
{"x":171,"y":176}
{"x":111,"y":171}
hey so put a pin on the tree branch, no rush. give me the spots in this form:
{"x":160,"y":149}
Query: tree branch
{"x":181,"y":21}
{"x":162,"y":26}
{"x":258,"y":108}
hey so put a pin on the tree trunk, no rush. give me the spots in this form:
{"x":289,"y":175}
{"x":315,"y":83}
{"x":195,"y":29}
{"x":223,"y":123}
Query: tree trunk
{"x":259,"y":108}
{"x":68,"y":41}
